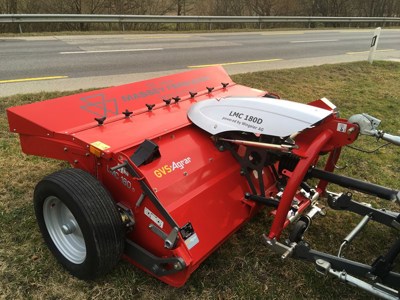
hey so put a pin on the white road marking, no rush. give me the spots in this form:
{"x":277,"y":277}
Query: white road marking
{"x":111,"y":51}
{"x":313,"y":41}
{"x":237,"y":63}
{"x":138,"y":37}
{"x":283,"y":33}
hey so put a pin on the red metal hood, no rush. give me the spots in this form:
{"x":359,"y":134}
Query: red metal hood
{"x":66,"y":113}
{"x":75,"y":115}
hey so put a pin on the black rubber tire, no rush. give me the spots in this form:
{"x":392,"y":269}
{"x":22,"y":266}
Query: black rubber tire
{"x":94,"y":211}
{"x":296,"y":234}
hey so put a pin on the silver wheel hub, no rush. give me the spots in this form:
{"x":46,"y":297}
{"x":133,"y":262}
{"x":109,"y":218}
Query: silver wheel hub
{"x":64,"y":230}
{"x":69,"y":227}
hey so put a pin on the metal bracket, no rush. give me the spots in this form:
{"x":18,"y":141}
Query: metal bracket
{"x":146,"y":192}
{"x":126,"y":216}
{"x":155,"y":265}
{"x":344,"y":202}
{"x":170,"y":240}
{"x":248,"y":166}
{"x":283,"y":250}
{"x":302,"y":251}
{"x":323,"y":267}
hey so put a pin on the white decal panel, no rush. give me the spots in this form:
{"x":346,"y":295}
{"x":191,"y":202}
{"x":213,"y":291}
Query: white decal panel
{"x":192,"y":241}
{"x":153,"y":217}
{"x":341,"y":127}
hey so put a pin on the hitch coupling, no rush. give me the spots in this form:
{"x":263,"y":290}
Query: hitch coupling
{"x":369,"y":126}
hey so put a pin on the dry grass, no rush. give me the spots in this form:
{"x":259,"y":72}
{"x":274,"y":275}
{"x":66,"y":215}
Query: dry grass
{"x":243,"y":268}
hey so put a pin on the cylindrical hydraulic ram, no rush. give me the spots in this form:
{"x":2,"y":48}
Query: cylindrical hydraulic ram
{"x":347,"y":240}
{"x":283,"y":148}
{"x":355,"y":184}
{"x":357,"y":229}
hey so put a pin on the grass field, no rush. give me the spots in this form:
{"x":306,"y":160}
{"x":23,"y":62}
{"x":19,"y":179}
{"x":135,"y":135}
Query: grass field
{"x":243,"y":268}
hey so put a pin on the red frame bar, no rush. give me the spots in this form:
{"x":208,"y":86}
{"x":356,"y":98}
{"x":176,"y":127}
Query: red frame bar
{"x":294,"y":181}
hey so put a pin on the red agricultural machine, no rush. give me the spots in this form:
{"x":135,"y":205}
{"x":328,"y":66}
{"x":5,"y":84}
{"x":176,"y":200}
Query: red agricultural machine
{"x":165,"y":170}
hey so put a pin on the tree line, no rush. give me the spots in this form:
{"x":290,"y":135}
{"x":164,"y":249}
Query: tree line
{"x":331,"y":8}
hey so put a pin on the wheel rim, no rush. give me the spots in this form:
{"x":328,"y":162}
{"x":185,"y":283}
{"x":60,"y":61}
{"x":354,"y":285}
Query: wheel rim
{"x":64,"y":230}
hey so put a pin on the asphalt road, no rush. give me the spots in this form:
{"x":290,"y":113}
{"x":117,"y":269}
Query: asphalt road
{"x":30,"y":64}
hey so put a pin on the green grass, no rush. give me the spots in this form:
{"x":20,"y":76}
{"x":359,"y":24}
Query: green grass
{"x":243,"y":268}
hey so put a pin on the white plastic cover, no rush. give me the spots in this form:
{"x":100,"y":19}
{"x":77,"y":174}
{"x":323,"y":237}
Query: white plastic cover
{"x":267,"y":116}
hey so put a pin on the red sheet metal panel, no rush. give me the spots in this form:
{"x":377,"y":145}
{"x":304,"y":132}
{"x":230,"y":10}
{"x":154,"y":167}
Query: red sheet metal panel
{"x":69,"y":113}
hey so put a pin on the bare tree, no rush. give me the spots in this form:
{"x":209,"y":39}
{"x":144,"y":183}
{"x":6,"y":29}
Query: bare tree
{"x":11,"y":6}
{"x":97,"y":6}
{"x":287,"y":8}
{"x":368,"y":8}
{"x":261,"y":7}
{"x":180,"y":5}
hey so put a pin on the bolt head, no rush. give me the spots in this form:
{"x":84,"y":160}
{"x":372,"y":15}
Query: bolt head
{"x":178,"y":266}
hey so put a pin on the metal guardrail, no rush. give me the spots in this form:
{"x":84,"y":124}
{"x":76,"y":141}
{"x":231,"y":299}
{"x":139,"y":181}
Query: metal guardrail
{"x":121,"y":19}
{"x":78,"y":18}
